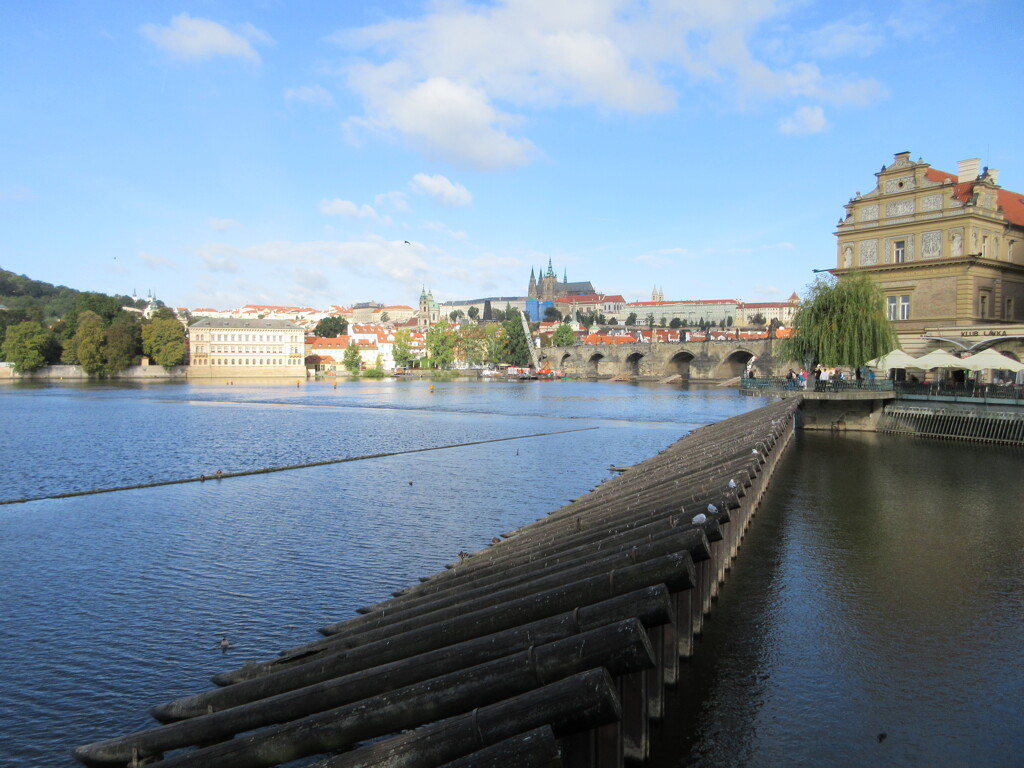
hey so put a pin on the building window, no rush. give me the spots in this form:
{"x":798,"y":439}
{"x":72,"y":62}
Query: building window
{"x":897,"y":307}
{"x":1009,"y":309}
{"x":983,"y":305}
{"x":899,"y":251}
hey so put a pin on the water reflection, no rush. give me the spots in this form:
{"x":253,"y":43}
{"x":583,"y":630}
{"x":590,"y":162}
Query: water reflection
{"x":874,"y":616}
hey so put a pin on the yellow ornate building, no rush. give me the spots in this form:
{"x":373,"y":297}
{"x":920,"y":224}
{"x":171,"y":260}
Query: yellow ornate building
{"x":946,"y":249}
{"x":242,"y":347}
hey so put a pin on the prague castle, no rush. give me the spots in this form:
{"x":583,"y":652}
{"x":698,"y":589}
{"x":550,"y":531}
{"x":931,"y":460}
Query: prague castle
{"x":547,"y":287}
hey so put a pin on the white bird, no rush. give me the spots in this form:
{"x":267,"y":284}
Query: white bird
{"x":754,"y":451}
{"x":732,"y":484}
{"x":699,"y":519}
{"x":712,"y":509}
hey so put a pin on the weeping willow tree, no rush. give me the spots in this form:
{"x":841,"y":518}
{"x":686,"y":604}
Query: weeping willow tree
{"x":841,"y":322}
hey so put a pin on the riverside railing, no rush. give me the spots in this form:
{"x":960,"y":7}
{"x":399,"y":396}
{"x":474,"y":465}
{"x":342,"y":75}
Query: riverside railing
{"x":781,"y":383}
{"x":1004,"y":394}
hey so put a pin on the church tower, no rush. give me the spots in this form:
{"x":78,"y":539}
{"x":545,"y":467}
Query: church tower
{"x":531,"y":293}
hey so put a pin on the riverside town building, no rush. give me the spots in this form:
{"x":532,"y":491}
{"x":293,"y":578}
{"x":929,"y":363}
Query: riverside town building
{"x":238,"y":348}
{"x":947,"y":250}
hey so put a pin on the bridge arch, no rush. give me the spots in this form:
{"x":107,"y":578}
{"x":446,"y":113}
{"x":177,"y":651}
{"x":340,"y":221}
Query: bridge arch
{"x":679,"y":365}
{"x":592,"y":365}
{"x":734,"y":364}
{"x":633,"y":363}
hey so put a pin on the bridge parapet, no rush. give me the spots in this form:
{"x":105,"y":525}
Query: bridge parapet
{"x":705,"y":361}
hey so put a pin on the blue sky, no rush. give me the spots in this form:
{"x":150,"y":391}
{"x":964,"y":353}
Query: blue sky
{"x":284,"y":151}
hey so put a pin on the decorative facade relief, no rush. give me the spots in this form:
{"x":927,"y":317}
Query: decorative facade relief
{"x":869,"y":213}
{"x":931,"y":244}
{"x":847,"y":255}
{"x":931,"y":203}
{"x":899,"y":184}
{"x":899,"y":208}
{"x":956,"y":242}
{"x":868,"y":252}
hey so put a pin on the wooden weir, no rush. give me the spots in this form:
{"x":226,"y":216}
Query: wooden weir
{"x":552,"y":647}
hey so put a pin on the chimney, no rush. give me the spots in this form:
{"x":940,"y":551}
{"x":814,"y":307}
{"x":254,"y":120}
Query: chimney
{"x":967,"y":170}
{"x":993,"y":175}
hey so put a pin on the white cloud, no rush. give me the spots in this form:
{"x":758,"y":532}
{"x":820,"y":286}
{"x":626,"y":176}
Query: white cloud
{"x":845,"y":37}
{"x":372,"y":258}
{"x":804,"y":120}
{"x":347,"y":208}
{"x":187,"y":37}
{"x":222,"y":225}
{"x":153,"y":261}
{"x":395,"y":200}
{"x":438,"y":187}
{"x":217,"y":260}
{"x":458,"y":81}
{"x":310,"y":94}
{"x":454,"y":234}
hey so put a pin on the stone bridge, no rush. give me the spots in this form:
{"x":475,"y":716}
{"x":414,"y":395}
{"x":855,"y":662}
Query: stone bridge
{"x":691,"y":360}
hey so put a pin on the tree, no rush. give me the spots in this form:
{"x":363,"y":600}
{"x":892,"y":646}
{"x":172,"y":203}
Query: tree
{"x":456,"y":315}
{"x":377,"y":372}
{"x":384,"y":318}
{"x":469,"y":344}
{"x":552,"y":315}
{"x":441,"y":345}
{"x":631,"y":319}
{"x":613,"y":321}
{"x":26,"y":345}
{"x":164,"y":341}
{"x":331,"y":327}
{"x":123,"y":343}
{"x":563,"y":336}
{"x":517,"y":349}
{"x":676,"y":323}
{"x":353,"y":361}
{"x":474,"y":313}
{"x":90,"y":343}
{"x":841,"y":322}
{"x":402,"y":348}
{"x":494,"y":343}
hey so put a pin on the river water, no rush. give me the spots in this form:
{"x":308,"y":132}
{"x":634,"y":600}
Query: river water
{"x":879,"y":590}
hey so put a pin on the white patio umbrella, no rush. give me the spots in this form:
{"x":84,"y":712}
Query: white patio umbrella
{"x":895,"y":359}
{"x":989,"y":359}
{"x":939,"y":358}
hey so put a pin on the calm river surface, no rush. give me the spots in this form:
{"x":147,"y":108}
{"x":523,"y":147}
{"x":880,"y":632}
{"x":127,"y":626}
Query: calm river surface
{"x":879,"y":590}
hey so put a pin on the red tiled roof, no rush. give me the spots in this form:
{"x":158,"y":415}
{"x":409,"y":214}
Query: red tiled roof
{"x":1011,"y":202}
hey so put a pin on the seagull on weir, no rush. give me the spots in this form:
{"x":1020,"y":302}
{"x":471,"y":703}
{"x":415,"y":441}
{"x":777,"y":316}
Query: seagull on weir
{"x":732,"y":485}
{"x":698,"y":519}
{"x":712,"y":509}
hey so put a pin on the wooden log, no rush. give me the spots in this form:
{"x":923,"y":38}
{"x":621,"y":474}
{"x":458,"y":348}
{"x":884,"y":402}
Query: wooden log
{"x":650,"y":606}
{"x":573,"y":705}
{"x":442,"y":628}
{"x":472,"y":595}
{"x":533,"y":749}
{"x":531,"y":560}
{"x":583,"y":596}
{"x":620,"y":649}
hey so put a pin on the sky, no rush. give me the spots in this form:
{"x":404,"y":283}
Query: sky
{"x":314,"y":153}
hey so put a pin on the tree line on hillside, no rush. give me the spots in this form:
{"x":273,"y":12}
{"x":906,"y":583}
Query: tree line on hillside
{"x":42,"y":324}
